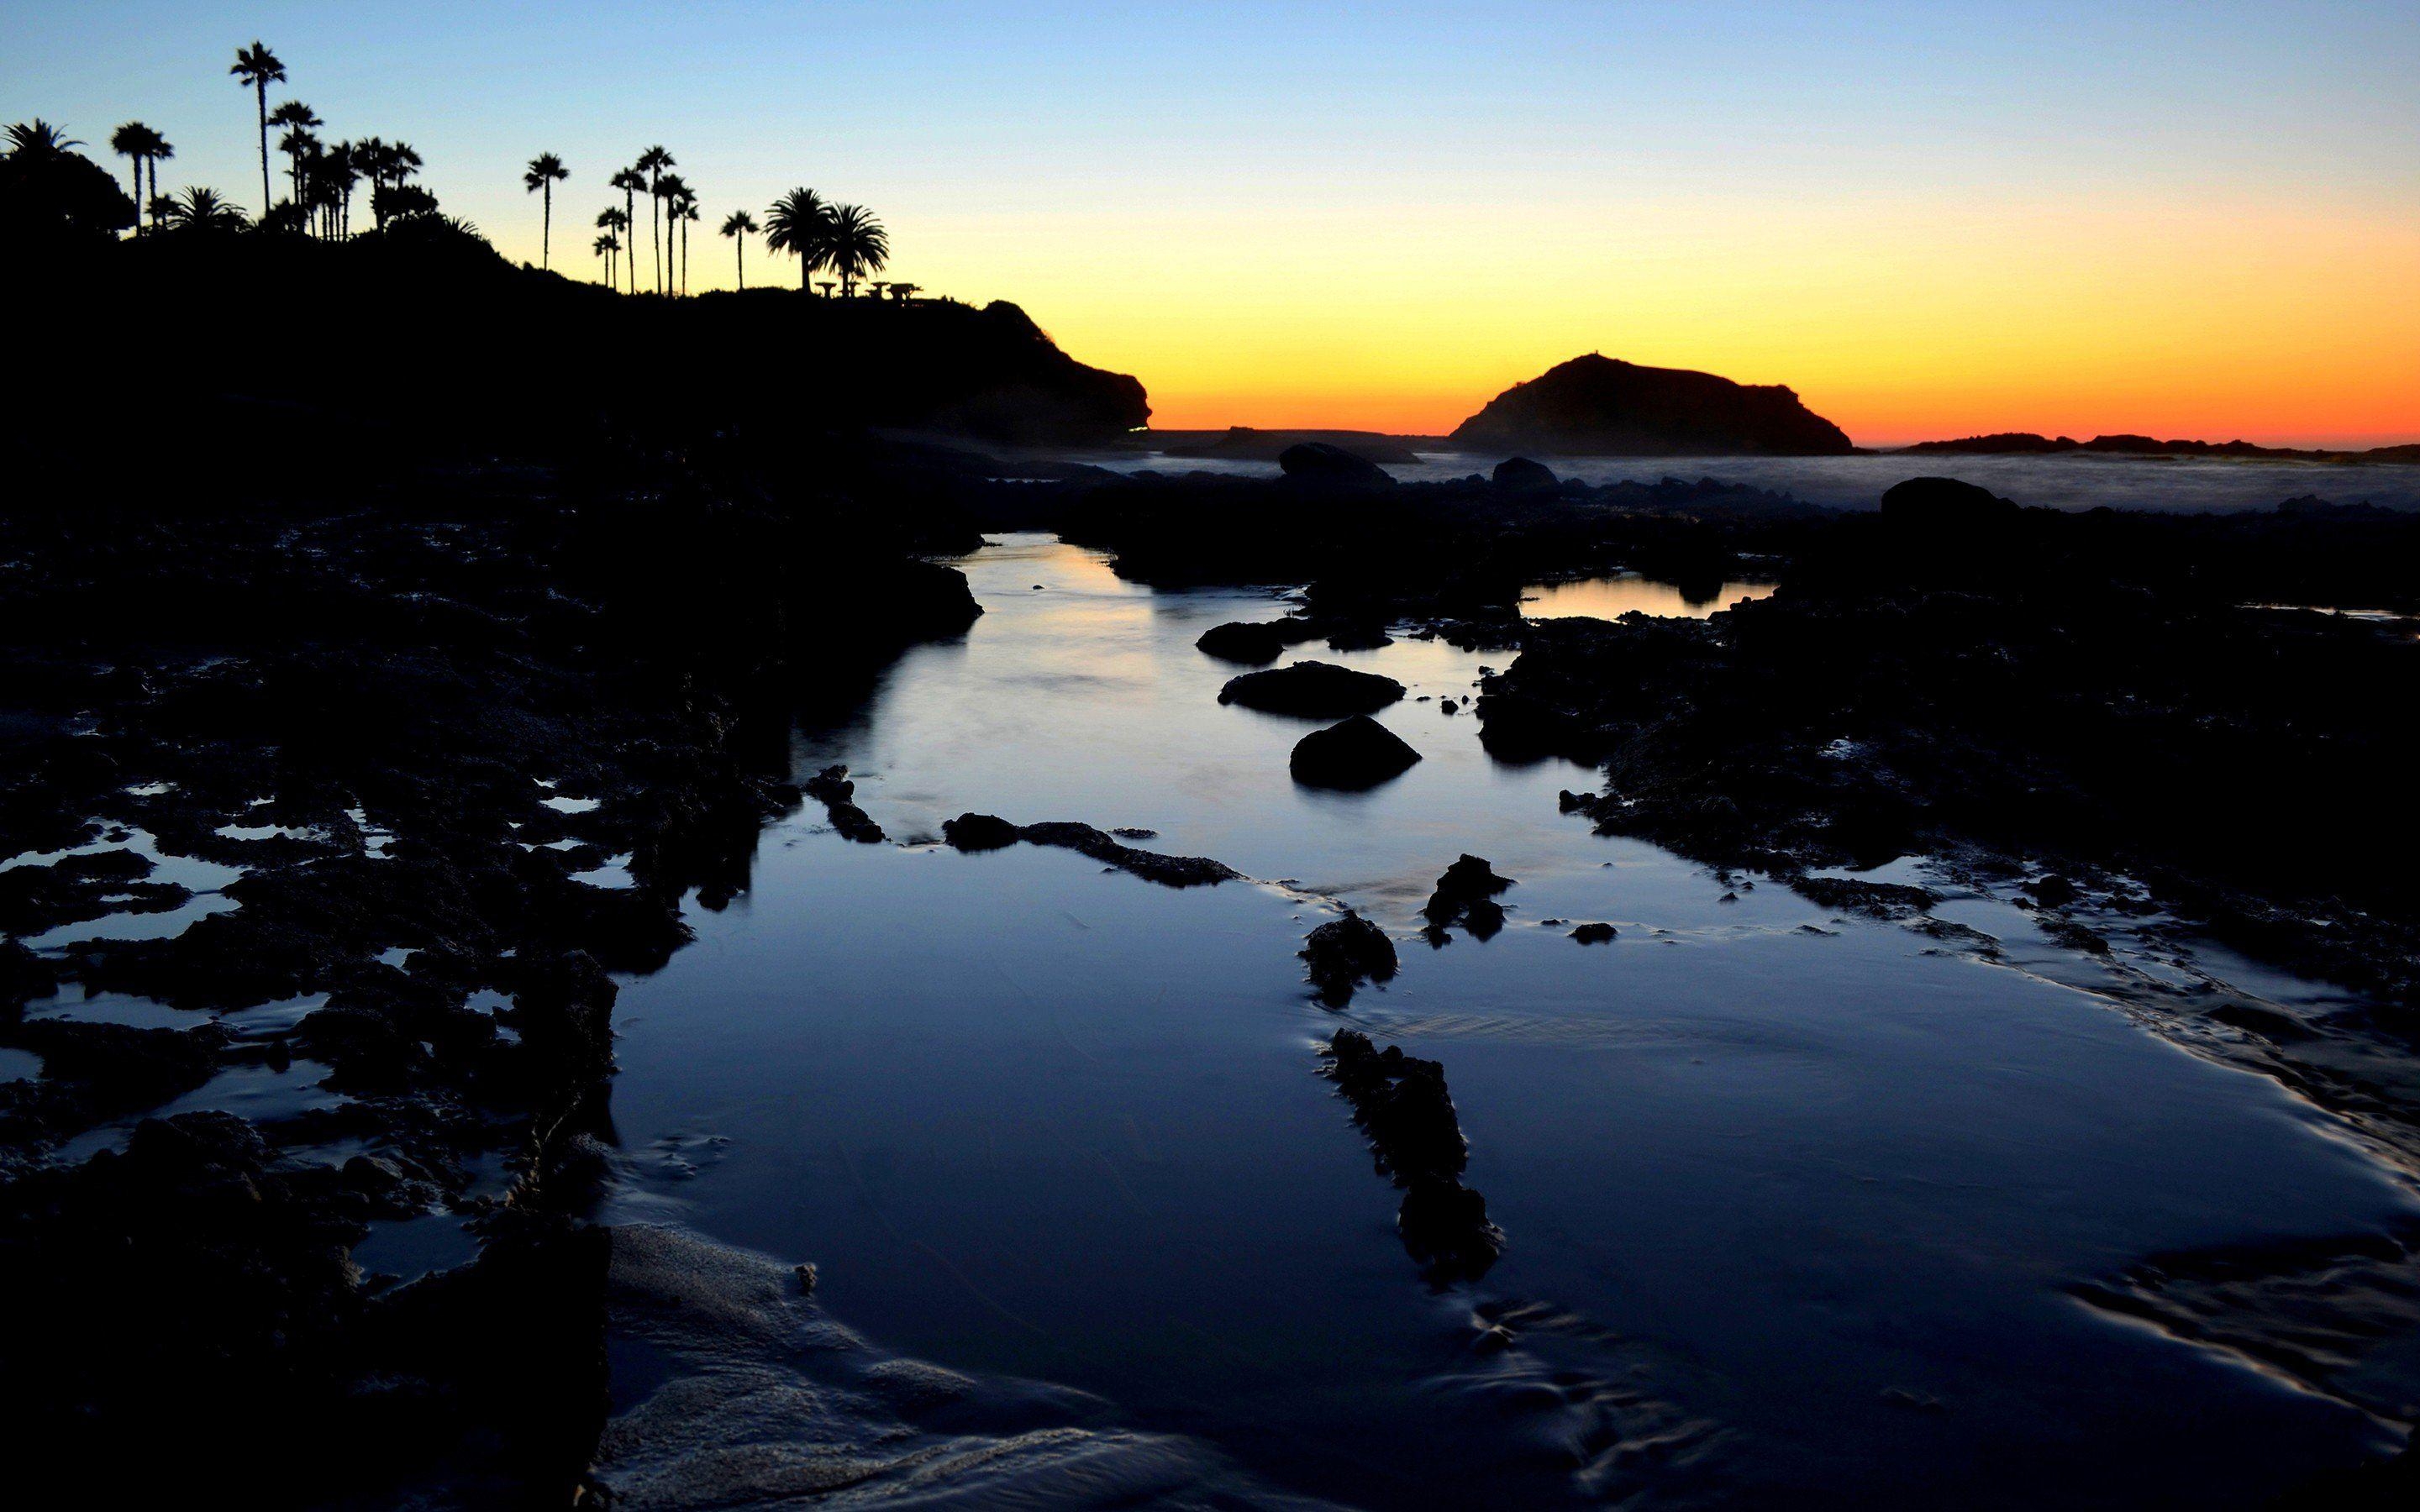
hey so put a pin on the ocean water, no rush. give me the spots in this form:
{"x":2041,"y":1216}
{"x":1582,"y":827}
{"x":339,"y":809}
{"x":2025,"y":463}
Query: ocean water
{"x":2068,"y":481}
{"x":1794,"y":1204}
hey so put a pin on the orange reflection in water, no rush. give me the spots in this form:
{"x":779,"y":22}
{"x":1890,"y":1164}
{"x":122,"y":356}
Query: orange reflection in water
{"x":1608,"y":598}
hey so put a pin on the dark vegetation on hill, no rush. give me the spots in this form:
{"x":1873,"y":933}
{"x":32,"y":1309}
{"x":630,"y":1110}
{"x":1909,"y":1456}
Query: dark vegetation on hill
{"x":423,"y":326}
{"x":1602,"y":406}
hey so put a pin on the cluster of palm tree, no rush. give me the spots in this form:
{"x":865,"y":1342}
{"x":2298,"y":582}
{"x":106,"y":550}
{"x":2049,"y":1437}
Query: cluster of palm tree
{"x":321,"y":176}
{"x":844,"y":240}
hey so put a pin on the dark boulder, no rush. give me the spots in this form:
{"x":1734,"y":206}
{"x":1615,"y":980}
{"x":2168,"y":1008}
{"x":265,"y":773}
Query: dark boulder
{"x":1359,"y":753}
{"x":1594,"y":934}
{"x":979,"y":832}
{"x":1332,"y":468}
{"x":1343,"y":953}
{"x":1520,"y":475}
{"x":1947,"y":510}
{"x":1317,"y":689}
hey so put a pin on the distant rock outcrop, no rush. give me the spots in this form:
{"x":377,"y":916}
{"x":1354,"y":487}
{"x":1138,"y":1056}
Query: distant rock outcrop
{"x":2032,"y":443}
{"x":1597,"y":406}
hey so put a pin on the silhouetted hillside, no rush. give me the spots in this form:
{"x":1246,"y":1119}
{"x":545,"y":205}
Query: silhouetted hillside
{"x":427,"y":323}
{"x":1596,"y":406}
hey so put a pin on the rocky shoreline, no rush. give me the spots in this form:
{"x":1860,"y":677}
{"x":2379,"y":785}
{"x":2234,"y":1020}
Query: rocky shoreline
{"x":449,"y":757}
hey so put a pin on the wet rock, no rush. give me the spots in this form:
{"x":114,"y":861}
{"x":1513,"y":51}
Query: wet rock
{"x":1152,"y":866}
{"x":1317,"y":689}
{"x":1401,"y":1104}
{"x":1594,"y":934}
{"x":979,"y":832}
{"x":1345,"y":952}
{"x":1256,"y":644}
{"x":1358,"y":753}
{"x":2052,"y":891}
{"x":1876,"y":900}
{"x":1332,"y":469}
{"x":1465,"y":894}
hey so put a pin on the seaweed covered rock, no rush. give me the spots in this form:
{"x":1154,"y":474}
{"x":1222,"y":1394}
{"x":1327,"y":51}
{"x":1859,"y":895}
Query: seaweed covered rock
{"x":1356,"y":753}
{"x":1317,"y":689}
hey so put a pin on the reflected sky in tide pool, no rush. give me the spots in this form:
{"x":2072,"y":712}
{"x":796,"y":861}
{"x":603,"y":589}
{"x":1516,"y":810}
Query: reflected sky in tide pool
{"x":1791,"y":1200}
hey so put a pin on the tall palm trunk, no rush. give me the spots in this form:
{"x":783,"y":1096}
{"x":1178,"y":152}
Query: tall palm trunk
{"x":656,"y":230}
{"x":684,"y":258}
{"x":739,"y":247}
{"x":260,"y":89}
{"x":138,"y":193}
{"x":546,"y":236}
{"x":631,"y":213}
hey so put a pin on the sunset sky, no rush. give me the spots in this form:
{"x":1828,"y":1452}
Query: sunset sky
{"x":2192,"y":219}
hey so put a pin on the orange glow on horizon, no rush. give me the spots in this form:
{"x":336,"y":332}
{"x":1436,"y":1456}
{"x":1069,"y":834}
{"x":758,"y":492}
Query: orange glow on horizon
{"x":1899,"y":321}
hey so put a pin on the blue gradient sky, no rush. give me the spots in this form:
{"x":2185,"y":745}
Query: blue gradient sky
{"x":2193,"y":217}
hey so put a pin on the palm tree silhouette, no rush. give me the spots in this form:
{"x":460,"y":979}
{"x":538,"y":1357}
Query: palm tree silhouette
{"x":546,"y":170}
{"x":614,"y":223}
{"x":258,"y":66}
{"x":298,"y":121}
{"x":858,"y":245}
{"x":605,"y":246}
{"x":39,"y":138}
{"x":737,"y":225}
{"x":162,"y":150}
{"x":204,"y":210}
{"x":340,"y":168}
{"x":800,"y":222}
{"x":632,"y":182}
{"x":132,"y":140}
{"x":671,"y":190}
{"x":653,"y":163}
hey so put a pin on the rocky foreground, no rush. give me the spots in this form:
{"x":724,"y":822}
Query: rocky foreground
{"x":463,"y":734}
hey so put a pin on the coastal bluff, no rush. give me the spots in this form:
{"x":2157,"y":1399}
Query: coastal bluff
{"x":1597,"y":406}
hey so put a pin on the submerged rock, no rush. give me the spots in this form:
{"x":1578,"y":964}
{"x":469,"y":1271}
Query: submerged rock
{"x":1358,"y":753}
{"x":989,"y":832}
{"x":1345,"y":952}
{"x":1316,"y":688}
{"x":1596,"y":934}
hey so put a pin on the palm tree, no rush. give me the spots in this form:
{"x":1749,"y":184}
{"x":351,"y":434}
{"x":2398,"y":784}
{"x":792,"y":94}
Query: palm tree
{"x":614,"y":223}
{"x":341,"y":168}
{"x":298,"y":121}
{"x":162,"y":150}
{"x":202,"y":210}
{"x":653,"y":163}
{"x":546,"y":170}
{"x":605,"y":246}
{"x":258,"y":66}
{"x":132,"y":141}
{"x":800,"y":222}
{"x":737,"y":225}
{"x":681,"y":208}
{"x":630,"y":182}
{"x":671,"y":190}
{"x":858,"y":245}
{"x":39,"y":138}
